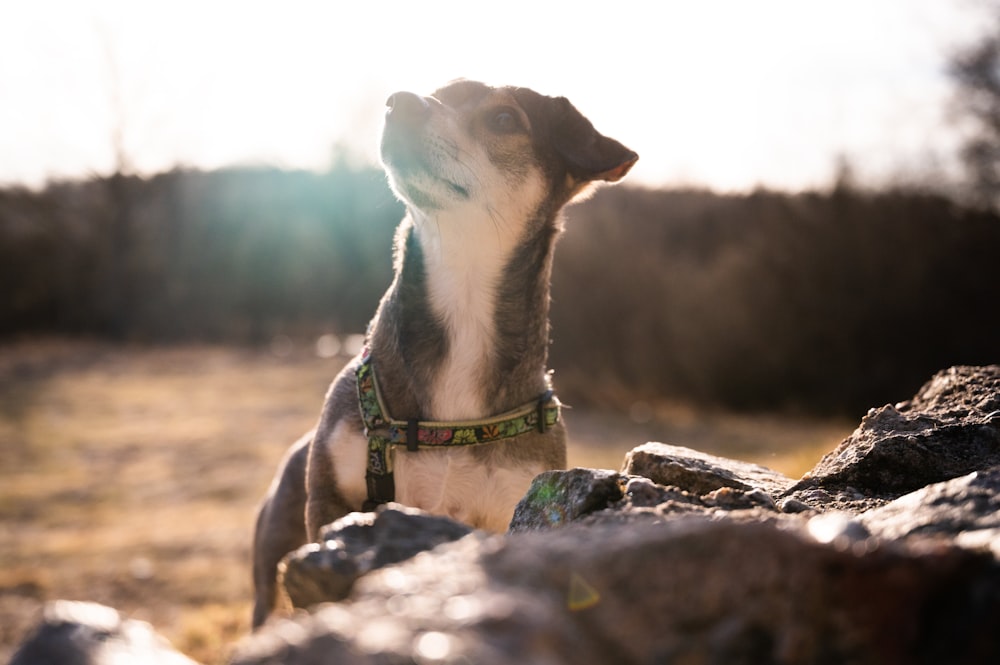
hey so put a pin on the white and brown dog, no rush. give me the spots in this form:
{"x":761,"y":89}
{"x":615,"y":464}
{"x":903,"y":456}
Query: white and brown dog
{"x":449,"y":408}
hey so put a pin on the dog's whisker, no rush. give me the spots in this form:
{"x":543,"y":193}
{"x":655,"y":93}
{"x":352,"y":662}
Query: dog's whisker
{"x":500,"y":223}
{"x":497,"y":219}
{"x":468,"y":170}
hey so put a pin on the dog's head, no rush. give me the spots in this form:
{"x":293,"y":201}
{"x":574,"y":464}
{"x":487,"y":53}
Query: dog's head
{"x":472,"y":144}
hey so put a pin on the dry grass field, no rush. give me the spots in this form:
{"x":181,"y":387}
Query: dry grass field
{"x":130,"y":475}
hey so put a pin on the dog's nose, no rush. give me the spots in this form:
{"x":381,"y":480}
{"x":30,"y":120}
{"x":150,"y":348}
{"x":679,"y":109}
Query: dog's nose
{"x":407,"y":107}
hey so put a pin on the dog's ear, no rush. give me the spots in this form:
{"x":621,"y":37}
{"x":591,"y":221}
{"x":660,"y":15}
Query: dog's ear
{"x":589,"y":155}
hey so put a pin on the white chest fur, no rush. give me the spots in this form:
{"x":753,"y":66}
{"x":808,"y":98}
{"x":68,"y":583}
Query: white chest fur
{"x":452,"y":482}
{"x":464,"y":256}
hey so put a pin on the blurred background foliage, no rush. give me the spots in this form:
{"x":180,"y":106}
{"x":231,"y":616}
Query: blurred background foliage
{"x":817,"y":302}
{"x":826,"y":303}
{"x":233,"y":255}
{"x":822,"y":302}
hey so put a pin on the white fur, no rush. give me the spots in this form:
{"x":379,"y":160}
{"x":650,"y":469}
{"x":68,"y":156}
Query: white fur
{"x":463,"y":259}
{"x":349,"y":449}
{"x":451,"y":482}
{"x":465,"y":250}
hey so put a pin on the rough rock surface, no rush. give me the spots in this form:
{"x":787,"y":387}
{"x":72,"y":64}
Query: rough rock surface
{"x":560,"y":497}
{"x":359,"y":543}
{"x":657,"y":480}
{"x":699,"y":472}
{"x":690,"y":590}
{"x":74,"y":633}
{"x":966,"y":508}
{"x":887,"y":552}
{"x":950,"y":428}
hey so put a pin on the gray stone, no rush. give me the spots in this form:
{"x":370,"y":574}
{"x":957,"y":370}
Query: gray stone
{"x":557,"y":498}
{"x":658,"y":481}
{"x":698,"y":472}
{"x":959,"y":394}
{"x":728,"y":498}
{"x":690,"y":590}
{"x":359,"y":543}
{"x":950,"y":428}
{"x":793,"y":505}
{"x":644,"y":493}
{"x":76,"y":633}
{"x":965,"y":504}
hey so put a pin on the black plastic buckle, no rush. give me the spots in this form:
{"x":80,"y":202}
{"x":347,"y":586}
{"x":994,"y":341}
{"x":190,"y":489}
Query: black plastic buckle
{"x":542,"y":401}
{"x":412,"y":435}
{"x":381,"y":489}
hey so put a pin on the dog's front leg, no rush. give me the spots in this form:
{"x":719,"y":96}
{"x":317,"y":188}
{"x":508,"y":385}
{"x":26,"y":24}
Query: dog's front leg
{"x":324,"y":501}
{"x":338,"y":457}
{"x":280,"y":527}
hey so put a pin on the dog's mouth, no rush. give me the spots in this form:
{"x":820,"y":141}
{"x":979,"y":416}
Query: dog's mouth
{"x":412,"y":154}
{"x":406,"y":119}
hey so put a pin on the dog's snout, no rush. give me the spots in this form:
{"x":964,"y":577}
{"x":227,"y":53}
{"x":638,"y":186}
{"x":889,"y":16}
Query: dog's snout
{"x":407,"y":107}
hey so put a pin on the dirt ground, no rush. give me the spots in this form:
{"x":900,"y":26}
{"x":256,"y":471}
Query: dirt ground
{"x":129,"y":475}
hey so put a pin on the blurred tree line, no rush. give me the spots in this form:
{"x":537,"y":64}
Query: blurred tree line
{"x":975,"y":72}
{"x":237,"y":254}
{"x":824,"y":302}
{"x":821,"y":302}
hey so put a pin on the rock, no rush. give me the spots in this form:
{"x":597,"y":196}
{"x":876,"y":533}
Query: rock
{"x":357,"y":544}
{"x":733,"y":499}
{"x":689,"y":590}
{"x":793,"y":505}
{"x":959,"y":393}
{"x":950,"y":428}
{"x":959,"y":506}
{"x":700,"y":473}
{"x":75,"y":633}
{"x":658,"y":481}
{"x":556,"y":498}
{"x":644,"y":493}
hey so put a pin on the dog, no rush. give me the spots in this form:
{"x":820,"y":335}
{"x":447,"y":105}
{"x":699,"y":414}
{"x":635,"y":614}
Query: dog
{"x":450,"y":407}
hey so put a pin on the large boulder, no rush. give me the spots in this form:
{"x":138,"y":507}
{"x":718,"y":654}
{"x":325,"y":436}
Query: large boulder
{"x":950,"y":428}
{"x":691,"y":590}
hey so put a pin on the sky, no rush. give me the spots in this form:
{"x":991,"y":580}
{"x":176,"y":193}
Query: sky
{"x":728,"y":94}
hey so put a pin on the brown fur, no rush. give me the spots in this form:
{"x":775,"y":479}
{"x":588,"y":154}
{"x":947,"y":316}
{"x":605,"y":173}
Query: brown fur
{"x":527,"y":138}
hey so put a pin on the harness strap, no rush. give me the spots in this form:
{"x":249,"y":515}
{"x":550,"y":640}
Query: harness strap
{"x":385,"y":433}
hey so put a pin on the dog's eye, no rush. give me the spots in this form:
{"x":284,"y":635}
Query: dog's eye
{"x":505,"y":121}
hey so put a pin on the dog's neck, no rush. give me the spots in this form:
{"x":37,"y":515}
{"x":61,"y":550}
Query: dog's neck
{"x":462,"y":332}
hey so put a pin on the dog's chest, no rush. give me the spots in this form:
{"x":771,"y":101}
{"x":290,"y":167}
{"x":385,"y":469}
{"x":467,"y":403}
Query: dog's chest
{"x":446,"y":481}
{"x":453,"y":483}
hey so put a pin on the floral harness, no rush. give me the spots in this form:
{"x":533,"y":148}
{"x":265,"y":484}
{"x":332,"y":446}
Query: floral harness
{"x":385,"y":434}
